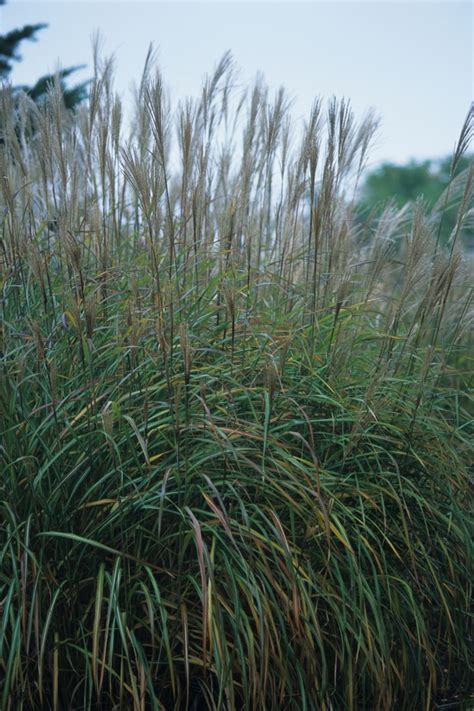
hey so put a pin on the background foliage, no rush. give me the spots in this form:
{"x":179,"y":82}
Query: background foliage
{"x":9,"y":54}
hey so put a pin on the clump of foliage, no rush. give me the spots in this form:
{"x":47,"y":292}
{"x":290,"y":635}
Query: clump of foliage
{"x":236,"y":424}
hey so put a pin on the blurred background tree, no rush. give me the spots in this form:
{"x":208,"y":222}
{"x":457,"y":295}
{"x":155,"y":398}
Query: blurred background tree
{"x":401,"y":184}
{"x":9,"y":54}
{"x":405,"y":183}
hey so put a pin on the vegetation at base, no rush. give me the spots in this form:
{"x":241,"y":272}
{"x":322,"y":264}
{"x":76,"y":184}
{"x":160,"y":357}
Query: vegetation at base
{"x":236,"y":423}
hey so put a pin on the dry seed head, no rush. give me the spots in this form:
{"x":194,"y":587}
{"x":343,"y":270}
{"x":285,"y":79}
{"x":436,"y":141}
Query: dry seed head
{"x":108,"y":418}
{"x":186,"y":349}
{"x":75,"y":312}
{"x":465,"y":138}
{"x":38,"y":341}
{"x":160,"y":331}
{"x":270,"y":376}
{"x":72,"y":248}
{"x":90,"y":315}
{"x":134,"y":325}
{"x":229,"y":296}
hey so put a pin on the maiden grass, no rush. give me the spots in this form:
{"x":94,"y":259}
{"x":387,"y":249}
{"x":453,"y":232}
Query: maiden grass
{"x":236,"y":417}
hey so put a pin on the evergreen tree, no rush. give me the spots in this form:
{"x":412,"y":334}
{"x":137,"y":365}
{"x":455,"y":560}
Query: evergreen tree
{"x":9,"y":44}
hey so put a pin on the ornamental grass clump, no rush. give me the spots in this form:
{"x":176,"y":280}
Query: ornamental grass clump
{"x":236,"y":415}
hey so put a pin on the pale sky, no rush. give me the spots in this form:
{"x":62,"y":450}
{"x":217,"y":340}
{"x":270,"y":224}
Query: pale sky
{"x":411,"y":61}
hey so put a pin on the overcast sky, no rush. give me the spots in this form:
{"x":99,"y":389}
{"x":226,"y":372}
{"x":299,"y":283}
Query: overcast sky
{"x":411,"y":61}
